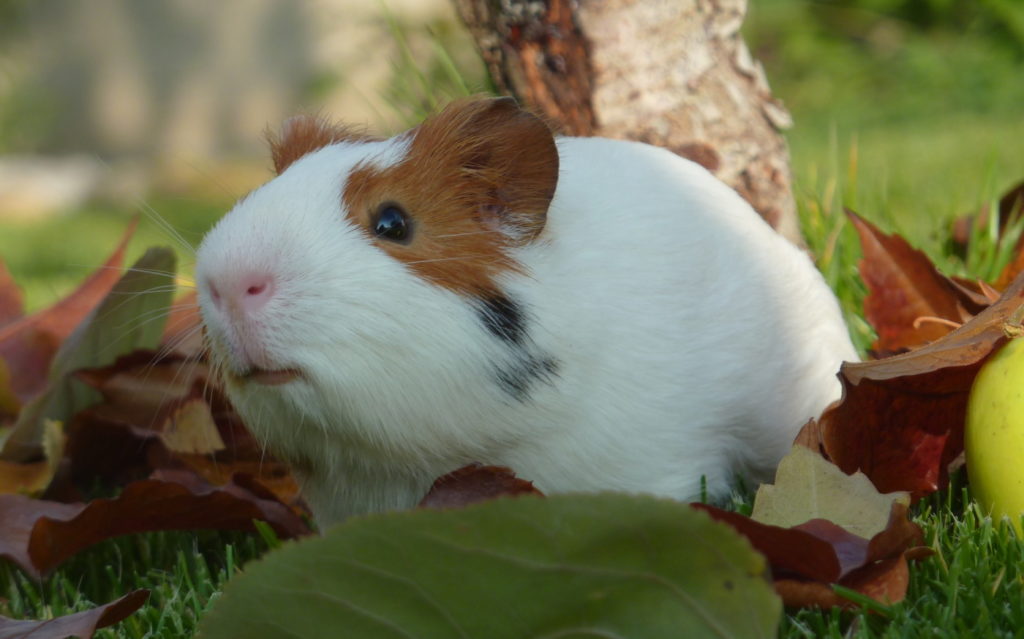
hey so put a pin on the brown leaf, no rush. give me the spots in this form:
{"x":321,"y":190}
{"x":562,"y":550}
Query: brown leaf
{"x":28,"y":344}
{"x":39,"y":535}
{"x":907,"y":294}
{"x":183,"y":334}
{"x":33,"y":477}
{"x":474,"y":483}
{"x":808,"y":558}
{"x":80,"y":624}
{"x":901,"y":419}
{"x":12,"y":305}
{"x":789,"y":551}
{"x":165,"y":412}
{"x":884,"y":581}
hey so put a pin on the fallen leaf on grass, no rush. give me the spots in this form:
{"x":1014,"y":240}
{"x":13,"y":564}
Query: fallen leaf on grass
{"x":807,"y":486}
{"x":123,"y":322}
{"x":12,"y":304}
{"x":819,"y":526}
{"x":33,"y":477}
{"x":162,"y":411}
{"x":28,"y":344}
{"x":475,"y":483}
{"x":808,"y":558}
{"x":901,"y":419}
{"x":39,"y":535}
{"x":605,"y":565}
{"x":909,"y":303}
{"x":80,"y":624}
{"x":10,"y":405}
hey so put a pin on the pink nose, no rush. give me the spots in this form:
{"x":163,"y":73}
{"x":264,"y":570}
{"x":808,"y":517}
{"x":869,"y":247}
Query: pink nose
{"x":247,"y":294}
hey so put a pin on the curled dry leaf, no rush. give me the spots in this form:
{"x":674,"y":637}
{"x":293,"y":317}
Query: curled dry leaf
{"x":164,"y":412}
{"x":807,"y":486}
{"x":39,"y":535}
{"x":909,"y":302}
{"x":808,"y":558}
{"x":819,"y":526}
{"x":33,"y":478}
{"x":901,"y":419}
{"x":475,"y":483}
{"x":111,"y":329}
{"x":80,"y":624}
{"x":12,"y":304}
{"x":183,"y":334}
{"x":28,"y":344}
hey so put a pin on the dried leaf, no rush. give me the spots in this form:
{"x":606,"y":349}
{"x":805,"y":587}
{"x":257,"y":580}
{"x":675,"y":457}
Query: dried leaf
{"x":165,"y":412}
{"x":474,"y":483}
{"x":807,"y":486}
{"x":183,"y":334}
{"x":908,"y":297}
{"x":113,"y":328}
{"x":901,"y":419}
{"x":808,"y":558}
{"x":39,"y":535}
{"x":80,"y":624}
{"x":32,"y":478}
{"x":10,"y":405}
{"x":28,"y":344}
{"x":12,"y":305}
{"x":191,"y":429}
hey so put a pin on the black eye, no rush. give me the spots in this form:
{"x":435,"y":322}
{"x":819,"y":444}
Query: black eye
{"x":392,"y":223}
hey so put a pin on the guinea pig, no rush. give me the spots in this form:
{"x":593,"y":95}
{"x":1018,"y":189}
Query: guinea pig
{"x":594,"y":314}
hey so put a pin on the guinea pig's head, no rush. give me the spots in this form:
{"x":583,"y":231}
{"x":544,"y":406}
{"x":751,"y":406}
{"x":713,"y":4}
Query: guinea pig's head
{"x":350,"y":267}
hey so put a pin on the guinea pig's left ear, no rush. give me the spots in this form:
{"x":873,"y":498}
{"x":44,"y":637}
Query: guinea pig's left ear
{"x":508,"y":153}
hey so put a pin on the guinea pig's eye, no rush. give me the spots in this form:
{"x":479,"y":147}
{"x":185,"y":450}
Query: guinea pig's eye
{"x":392,"y":223}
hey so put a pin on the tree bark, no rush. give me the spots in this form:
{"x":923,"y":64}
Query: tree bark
{"x":673,"y":73}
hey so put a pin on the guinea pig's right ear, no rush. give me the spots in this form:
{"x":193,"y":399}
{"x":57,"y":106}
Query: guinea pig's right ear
{"x":508,"y":155}
{"x":302,"y":134}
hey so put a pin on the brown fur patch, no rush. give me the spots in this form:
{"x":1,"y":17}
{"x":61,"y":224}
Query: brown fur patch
{"x":304,"y":134}
{"x":478,"y":179}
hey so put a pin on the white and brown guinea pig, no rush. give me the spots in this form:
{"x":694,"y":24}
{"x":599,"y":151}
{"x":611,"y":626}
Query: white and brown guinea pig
{"x":592,"y":313}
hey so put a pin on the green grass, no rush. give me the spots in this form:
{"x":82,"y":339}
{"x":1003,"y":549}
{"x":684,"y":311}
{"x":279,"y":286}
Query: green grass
{"x":184,"y":572}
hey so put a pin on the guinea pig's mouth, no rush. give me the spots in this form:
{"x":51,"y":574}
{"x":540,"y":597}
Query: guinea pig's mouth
{"x":269,"y":377}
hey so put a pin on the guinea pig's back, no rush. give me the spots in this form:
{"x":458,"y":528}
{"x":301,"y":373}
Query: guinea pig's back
{"x":681,"y":308}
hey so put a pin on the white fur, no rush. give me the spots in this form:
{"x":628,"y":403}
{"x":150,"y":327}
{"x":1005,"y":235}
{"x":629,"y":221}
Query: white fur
{"x":690,"y":339}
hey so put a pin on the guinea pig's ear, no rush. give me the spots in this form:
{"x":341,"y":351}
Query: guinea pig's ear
{"x":507,"y":151}
{"x":303,"y":134}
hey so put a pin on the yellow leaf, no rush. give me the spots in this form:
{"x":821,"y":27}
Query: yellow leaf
{"x":807,"y":486}
{"x":191,"y":429}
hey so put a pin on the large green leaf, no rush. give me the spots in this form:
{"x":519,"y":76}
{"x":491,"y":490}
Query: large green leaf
{"x":604,"y":565}
{"x":131,"y":317}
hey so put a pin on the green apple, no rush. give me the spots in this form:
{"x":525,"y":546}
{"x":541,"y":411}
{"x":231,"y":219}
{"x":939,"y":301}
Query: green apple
{"x":994,"y":435}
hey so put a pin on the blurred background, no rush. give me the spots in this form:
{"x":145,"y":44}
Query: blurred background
{"x":909,"y":111}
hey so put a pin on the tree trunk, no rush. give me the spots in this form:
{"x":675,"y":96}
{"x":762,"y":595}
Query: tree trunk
{"x":674,"y":73}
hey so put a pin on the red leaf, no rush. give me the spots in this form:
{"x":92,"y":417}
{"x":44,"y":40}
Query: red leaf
{"x":12,"y":306}
{"x":81,"y":624}
{"x":474,"y":483}
{"x":808,"y":558}
{"x":901,"y":419}
{"x":29,"y":343}
{"x":40,"y":535}
{"x":906,"y":292}
{"x":183,"y":334}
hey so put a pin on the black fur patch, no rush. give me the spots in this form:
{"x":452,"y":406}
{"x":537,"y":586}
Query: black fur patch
{"x":504,"y":318}
{"x":518,"y":378}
